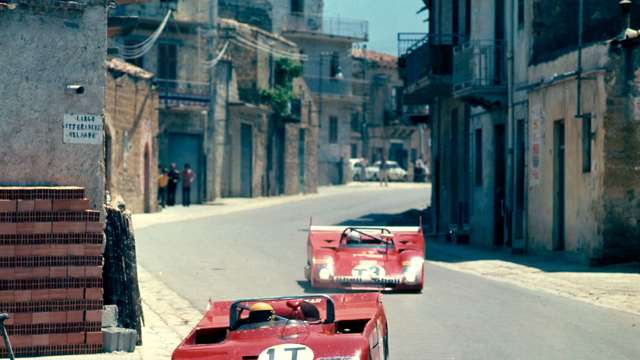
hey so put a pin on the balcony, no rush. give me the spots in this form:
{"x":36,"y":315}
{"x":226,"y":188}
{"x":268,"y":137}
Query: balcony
{"x":426,"y":64}
{"x":479,"y":73}
{"x":337,"y":27}
{"x":183,"y":95}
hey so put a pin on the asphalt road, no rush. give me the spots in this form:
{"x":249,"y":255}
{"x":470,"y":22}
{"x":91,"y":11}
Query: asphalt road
{"x":458,"y":316}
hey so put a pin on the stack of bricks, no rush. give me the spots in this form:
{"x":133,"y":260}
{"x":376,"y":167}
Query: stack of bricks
{"x":50,"y":271}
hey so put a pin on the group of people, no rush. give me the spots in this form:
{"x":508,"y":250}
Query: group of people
{"x":168,"y":185}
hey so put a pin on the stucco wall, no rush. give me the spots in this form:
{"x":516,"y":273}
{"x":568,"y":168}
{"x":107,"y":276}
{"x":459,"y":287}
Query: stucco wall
{"x":42,"y":53}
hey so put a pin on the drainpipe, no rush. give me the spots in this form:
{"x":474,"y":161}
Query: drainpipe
{"x":579,"y":69}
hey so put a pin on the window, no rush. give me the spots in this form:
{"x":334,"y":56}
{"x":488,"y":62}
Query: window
{"x":467,"y":19}
{"x":586,"y":143}
{"x":297,"y":6}
{"x":336,"y":69}
{"x":167,"y":65}
{"x":333,"y":130}
{"x":355,"y":122}
{"x":478,"y":157}
{"x":354,"y":153}
{"x":520,"y":14}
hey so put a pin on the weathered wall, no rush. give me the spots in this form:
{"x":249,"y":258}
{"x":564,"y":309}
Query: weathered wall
{"x":131,"y":119}
{"x":41,"y":53}
{"x":584,"y":191}
{"x":621,"y":124}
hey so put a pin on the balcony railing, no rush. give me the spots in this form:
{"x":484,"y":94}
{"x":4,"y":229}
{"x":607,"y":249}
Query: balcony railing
{"x":332,"y":26}
{"x":426,"y":63}
{"x":183,"y":94}
{"x":479,"y":71}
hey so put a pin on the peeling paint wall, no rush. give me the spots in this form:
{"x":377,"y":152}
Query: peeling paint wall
{"x":42,"y":52}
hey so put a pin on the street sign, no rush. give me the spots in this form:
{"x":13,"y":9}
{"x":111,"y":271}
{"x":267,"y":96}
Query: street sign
{"x":82,"y":129}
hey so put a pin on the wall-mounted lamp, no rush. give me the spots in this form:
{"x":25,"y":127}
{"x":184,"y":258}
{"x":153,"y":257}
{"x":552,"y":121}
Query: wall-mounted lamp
{"x":74,"y":89}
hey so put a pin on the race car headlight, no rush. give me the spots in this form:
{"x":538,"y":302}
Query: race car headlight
{"x":325,"y":268}
{"x":412,"y":269}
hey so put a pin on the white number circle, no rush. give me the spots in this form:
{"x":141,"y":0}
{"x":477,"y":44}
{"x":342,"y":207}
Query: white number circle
{"x":287,"y":352}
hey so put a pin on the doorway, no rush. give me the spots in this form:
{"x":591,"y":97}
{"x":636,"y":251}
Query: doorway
{"x":246,"y":170}
{"x":558,"y":186}
{"x":147,"y":180}
{"x":187,"y":149}
{"x":499,"y":184}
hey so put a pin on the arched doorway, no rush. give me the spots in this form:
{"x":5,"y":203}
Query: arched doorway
{"x":147,"y":180}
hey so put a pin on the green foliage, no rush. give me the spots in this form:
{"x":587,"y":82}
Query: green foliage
{"x":281,"y":95}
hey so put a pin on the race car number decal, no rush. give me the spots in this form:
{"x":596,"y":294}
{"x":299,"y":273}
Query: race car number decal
{"x":287,"y":352}
{"x":366,"y":270}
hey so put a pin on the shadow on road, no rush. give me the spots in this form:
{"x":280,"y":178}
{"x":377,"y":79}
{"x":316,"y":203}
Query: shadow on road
{"x":440,"y":250}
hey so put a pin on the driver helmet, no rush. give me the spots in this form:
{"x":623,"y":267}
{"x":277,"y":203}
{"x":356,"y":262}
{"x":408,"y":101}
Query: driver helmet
{"x":260,"y":312}
{"x":354,"y":237}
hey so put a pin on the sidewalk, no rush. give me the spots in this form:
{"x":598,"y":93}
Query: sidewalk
{"x":616,"y":287}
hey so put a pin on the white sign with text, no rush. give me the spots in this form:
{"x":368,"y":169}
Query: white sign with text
{"x":82,"y":129}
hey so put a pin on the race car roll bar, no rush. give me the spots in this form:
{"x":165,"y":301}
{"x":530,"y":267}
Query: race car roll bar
{"x":331,"y":307}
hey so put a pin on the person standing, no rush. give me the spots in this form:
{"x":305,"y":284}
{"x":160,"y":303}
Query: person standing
{"x":163,"y":182}
{"x":174,"y":178}
{"x":384,"y":176}
{"x":187,"y":179}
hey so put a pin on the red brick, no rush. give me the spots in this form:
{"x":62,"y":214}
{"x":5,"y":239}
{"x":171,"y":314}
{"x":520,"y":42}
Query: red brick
{"x":7,"y":228}
{"x":95,"y":227}
{"x":93,"y":315}
{"x":40,"y":318}
{"x":75,"y":250}
{"x":93,"y":294}
{"x":58,"y":339}
{"x":42,"y":205}
{"x":58,"y":272}
{"x":40,"y":250}
{"x":33,"y":228}
{"x":7,"y":296}
{"x":75,"y":338}
{"x":8,"y":206}
{"x":22,"y":318}
{"x":57,"y":294}
{"x":93,"y":271}
{"x":58,"y":317}
{"x":40,"y":340}
{"x":22,"y":273}
{"x":65,"y":227}
{"x":22,"y":295}
{"x":76,"y":271}
{"x":8,"y":273}
{"x":76,"y":294}
{"x":75,"y":316}
{"x":23,"y":250}
{"x":26,"y":205}
{"x":92,"y":250}
{"x":94,"y":338}
{"x":7,"y":250}
{"x":40,"y":295}
{"x":70,"y":205}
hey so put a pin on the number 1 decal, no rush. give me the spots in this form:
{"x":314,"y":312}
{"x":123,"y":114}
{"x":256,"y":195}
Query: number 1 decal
{"x":287,"y":352}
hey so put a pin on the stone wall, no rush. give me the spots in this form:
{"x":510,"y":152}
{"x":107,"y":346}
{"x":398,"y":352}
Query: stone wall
{"x":131,"y":120}
{"x":42,"y":52}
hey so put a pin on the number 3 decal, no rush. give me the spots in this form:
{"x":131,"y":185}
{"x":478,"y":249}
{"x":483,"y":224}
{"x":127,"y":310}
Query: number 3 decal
{"x":287,"y":352}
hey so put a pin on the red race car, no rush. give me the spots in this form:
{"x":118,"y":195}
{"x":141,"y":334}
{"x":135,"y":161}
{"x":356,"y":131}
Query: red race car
{"x":366,"y":258}
{"x":314,"y":327}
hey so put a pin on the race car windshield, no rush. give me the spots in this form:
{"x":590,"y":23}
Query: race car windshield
{"x":280,"y":313}
{"x":366,"y":239}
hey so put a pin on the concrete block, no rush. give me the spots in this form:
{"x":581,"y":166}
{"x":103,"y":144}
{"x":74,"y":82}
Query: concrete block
{"x":110,"y":316}
{"x":119,"y":339}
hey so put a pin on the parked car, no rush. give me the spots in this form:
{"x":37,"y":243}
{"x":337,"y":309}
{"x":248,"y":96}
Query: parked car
{"x":343,"y":326}
{"x":394,"y":171}
{"x":359,"y":170}
{"x":365,"y":258}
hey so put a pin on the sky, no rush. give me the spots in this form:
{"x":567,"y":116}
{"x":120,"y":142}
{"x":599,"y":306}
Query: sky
{"x":386,"y":19}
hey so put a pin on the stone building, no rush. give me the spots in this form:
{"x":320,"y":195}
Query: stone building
{"x":131,"y":127}
{"x":52,"y":81}
{"x":383,"y":125}
{"x":517,"y":162}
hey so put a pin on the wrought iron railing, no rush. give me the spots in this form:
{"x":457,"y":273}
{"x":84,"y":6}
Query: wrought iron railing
{"x":335,"y":26}
{"x":479,"y":64}
{"x":423,"y":55}
{"x":175,"y":93}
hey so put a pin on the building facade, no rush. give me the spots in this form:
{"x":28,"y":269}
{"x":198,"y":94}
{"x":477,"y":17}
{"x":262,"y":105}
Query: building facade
{"x":131,"y":128}
{"x":508,"y":133}
{"x":46,"y":92}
